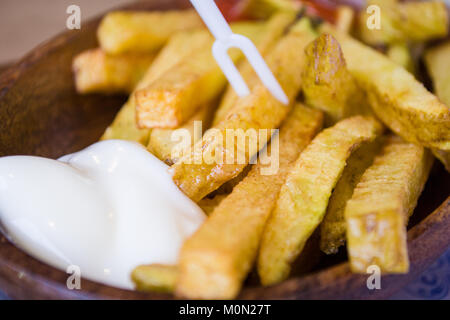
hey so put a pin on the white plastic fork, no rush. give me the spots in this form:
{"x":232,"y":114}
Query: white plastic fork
{"x":226,"y":39}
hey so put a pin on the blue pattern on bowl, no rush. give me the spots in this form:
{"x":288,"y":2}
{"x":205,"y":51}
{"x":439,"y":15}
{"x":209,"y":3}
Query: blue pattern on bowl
{"x":433,"y":284}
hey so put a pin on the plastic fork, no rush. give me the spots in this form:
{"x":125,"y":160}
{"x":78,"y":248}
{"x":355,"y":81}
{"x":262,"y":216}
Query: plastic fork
{"x":226,"y":39}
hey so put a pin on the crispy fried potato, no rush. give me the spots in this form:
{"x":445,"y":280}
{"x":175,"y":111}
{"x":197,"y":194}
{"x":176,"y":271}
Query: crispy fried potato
{"x":216,"y":259}
{"x":437,"y":60}
{"x":304,"y":196}
{"x":228,"y":186}
{"x":403,"y":22}
{"x":96,"y":71}
{"x":259,"y":110}
{"x":379,"y":15}
{"x":401,"y":54}
{"x":177,"y":95}
{"x":274,"y":30}
{"x":396,"y":97}
{"x":345,"y":19}
{"x":124,"y":126}
{"x":168,"y":145}
{"x":143,"y":32}
{"x":209,"y":204}
{"x":262,"y":9}
{"x":332,"y":229}
{"x":179,"y":47}
{"x":377,"y":214}
{"x":155,"y":277}
{"x":328,"y":85}
{"x":443,"y":156}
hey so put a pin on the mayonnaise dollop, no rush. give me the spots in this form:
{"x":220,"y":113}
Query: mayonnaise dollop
{"x":105,"y":209}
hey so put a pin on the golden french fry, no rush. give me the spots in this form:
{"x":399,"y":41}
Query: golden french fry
{"x":437,"y":60}
{"x":401,"y":54}
{"x":96,"y":71}
{"x":168,"y":145}
{"x":332,"y":229}
{"x":438,"y":64}
{"x":403,"y":22}
{"x":396,"y":97}
{"x":328,"y":85}
{"x":155,"y":277}
{"x":259,"y":110}
{"x":179,"y":47}
{"x":274,"y":30}
{"x":209,"y":204}
{"x":304,"y":196}
{"x":177,"y":95}
{"x":228,"y":186}
{"x":378,"y":212}
{"x":143,"y":32}
{"x":443,"y":156}
{"x":216,"y":259}
{"x":261,"y":9}
{"x":124,"y":126}
{"x":345,"y":18}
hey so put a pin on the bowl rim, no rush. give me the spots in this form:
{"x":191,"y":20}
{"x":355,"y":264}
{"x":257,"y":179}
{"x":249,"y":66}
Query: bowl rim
{"x":16,"y":277}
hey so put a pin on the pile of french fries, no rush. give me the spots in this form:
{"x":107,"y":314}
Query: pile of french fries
{"x":355,"y":146}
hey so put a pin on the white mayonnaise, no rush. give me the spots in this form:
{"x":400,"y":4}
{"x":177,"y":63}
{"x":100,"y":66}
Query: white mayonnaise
{"x":105,"y":209}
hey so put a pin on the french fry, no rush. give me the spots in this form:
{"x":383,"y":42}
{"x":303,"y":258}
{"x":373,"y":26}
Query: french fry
{"x":400,"y":54}
{"x":438,"y":64}
{"x":437,"y":60}
{"x":96,"y":71}
{"x":259,"y":110}
{"x":177,"y":95}
{"x":303,"y":198}
{"x":274,"y":30}
{"x":216,"y":259}
{"x":168,"y":146}
{"x":124,"y":126}
{"x":209,"y":204}
{"x":155,"y":277}
{"x":328,"y":85}
{"x":261,"y":9}
{"x":228,"y":186}
{"x":332,"y":229}
{"x":345,"y":19}
{"x":443,"y":156}
{"x":396,"y":97}
{"x":378,"y":212}
{"x":376,"y":14}
{"x":403,"y":22}
{"x":143,"y":32}
{"x":179,"y":47}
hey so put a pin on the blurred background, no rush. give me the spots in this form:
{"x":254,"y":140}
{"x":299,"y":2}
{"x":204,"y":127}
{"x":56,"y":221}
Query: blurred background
{"x":24,"y":23}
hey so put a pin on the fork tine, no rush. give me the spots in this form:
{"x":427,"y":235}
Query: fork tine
{"x":225,"y":39}
{"x":220,"y":53}
{"x":259,"y":65}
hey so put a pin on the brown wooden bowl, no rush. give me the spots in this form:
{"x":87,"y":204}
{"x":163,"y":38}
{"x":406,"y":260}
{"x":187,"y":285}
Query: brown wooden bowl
{"x":41,"y":114}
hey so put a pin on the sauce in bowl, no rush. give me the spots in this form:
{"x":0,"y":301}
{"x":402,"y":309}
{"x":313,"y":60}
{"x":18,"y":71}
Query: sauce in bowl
{"x":105,"y":209}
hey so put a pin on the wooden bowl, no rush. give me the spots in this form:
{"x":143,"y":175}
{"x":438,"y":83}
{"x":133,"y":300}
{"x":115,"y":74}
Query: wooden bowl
{"x":41,"y":114}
